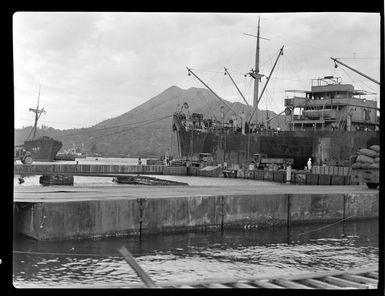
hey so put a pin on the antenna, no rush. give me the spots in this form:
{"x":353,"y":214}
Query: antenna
{"x":38,"y":97}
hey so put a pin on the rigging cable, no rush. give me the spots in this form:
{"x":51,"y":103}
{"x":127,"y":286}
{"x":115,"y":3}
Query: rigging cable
{"x":288,"y":59}
{"x":357,"y":78}
{"x":269,"y":59}
{"x":112,"y":127}
{"x":233,"y":92}
{"x":126,"y":130}
{"x":207,"y":103}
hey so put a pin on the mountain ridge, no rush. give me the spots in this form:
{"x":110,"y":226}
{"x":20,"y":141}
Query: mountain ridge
{"x":145,"y":130}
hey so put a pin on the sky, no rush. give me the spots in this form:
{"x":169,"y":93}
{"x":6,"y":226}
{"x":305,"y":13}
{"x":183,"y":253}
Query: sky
{"x":92,"y":66}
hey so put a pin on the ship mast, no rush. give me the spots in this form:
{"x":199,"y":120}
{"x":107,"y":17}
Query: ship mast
{"x":267,"y":81}
{"x":256,"y":75}
{"x":38,"y":113}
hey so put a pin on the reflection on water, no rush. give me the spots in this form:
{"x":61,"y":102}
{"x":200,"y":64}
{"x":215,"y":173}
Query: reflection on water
{"x":196,"y":256}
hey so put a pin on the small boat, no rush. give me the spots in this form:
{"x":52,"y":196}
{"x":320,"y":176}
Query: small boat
{"x":43,"y":148}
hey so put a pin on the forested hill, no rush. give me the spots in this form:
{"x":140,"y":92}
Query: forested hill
{"x":145,"y":130}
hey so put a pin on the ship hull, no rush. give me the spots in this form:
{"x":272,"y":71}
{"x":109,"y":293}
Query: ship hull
{"x":335,"y":147}
{"x":43,"y":148}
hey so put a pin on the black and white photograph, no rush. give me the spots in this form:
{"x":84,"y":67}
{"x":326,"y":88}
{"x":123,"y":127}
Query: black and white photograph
{"x":200,"y":150}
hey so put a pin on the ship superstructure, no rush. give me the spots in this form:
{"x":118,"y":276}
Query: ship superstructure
{"x":330,"y":105}
{"x":328,"y":124}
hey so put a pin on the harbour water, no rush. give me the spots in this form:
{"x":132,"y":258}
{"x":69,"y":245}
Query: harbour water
{"x":192,"y":256}
{"x":196,"y":256}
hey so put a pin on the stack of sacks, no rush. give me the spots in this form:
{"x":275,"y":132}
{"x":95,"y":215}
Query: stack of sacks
{"x":368,"y":158}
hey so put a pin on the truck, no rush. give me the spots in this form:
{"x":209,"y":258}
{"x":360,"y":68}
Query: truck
{"x":197,"y":159}
{"x":201,"y":160}
{"x":369,"y":176}
{"x":262,"y":161}
{"x":20,"y":153}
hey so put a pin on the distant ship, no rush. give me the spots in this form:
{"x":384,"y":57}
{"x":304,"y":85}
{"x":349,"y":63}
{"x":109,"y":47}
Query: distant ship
{"x":328,"y":124}
{"x":42,"y":148}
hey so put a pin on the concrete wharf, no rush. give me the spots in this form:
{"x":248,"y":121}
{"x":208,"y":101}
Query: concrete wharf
{"x":95,"y":169}
{"x":60,"y":213}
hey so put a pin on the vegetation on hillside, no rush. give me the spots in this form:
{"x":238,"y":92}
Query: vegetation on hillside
{"x":146,"y":130}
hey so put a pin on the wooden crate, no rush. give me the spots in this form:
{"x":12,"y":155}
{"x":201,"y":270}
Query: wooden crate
{"x":279,"y":177}
{"x":324,"y":179}
{"x":333,"y":170}
{"x":251,"y":174}
{"x":316,"y":169}
{"x":312,"y":179}
{"x":175,"y":171}
{"x":259,"y":174}
{"x":192,"y":171}
{"x":347,"y":180}
{"x":268,"y":176}
{"x":326,"y":170}
{"x":347,"y":171}
{"x":337,"y":180}
{"x":300,"y":178}
{"x":340,"y":171}
{"x":321,"y":170}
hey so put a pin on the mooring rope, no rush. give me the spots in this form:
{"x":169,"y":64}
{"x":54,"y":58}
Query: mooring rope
{"x":323,"y":227}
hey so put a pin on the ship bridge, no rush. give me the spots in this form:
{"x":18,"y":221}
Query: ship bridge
{"x":331,"y":105}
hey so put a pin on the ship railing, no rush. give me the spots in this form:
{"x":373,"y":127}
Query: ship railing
{"x":221,"y":129}
{"x":269,"y":133}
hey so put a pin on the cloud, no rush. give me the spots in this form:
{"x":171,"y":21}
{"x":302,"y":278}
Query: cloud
{"x":93,"y":66}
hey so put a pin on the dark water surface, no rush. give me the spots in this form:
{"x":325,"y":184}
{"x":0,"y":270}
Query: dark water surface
{"x":196,"y":256}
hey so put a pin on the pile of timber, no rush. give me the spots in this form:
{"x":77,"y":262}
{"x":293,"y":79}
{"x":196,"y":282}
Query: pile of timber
{"x":47,"y":180}
{"x":144,"y":180}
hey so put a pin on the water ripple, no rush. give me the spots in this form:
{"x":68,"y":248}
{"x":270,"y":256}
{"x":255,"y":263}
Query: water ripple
{"x":197,"y":256}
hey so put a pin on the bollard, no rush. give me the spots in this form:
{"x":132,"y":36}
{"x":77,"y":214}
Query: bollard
{"x":288,"y":174}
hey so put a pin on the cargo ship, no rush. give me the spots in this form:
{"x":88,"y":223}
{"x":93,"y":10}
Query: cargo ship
{"x":41,"y":148}
{"x":327,"y":123}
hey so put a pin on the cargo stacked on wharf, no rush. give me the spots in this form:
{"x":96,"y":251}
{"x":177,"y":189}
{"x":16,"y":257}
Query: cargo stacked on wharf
{"x":318,"y":175}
